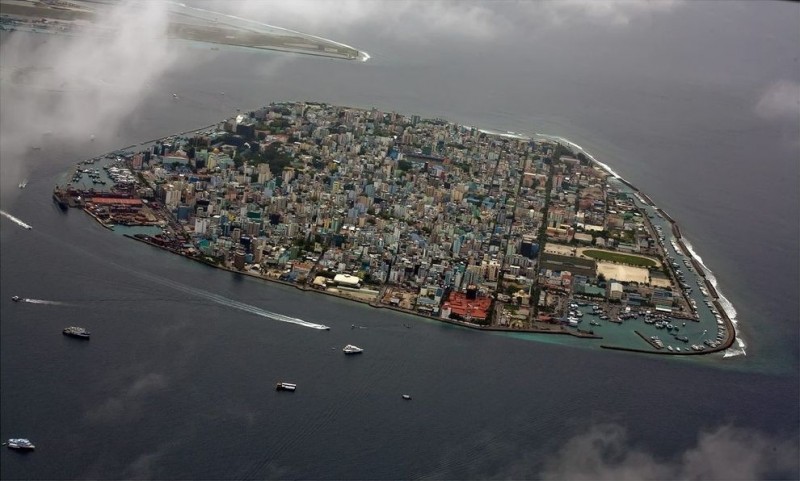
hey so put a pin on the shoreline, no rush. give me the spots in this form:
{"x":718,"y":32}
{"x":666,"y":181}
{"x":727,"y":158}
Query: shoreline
{"x":727,"y":343}
{"x":373,"y":304}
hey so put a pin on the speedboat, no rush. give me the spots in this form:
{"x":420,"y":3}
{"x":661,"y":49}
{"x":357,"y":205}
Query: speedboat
{"x":351,"y":349}
{"x":20,"y":443}
{"x":16,"y":299}
{"x":285,"y":386}
{"x":78,"y":332}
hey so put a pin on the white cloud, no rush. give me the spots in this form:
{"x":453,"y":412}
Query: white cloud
{"x":780,"y":100}
{"x":423,"y":21}
{"x":89,"y":84}
{"x":605,"y":12}
{"x":413,"y":21}
{"x":605,"y":453}
{"x":127,"y":405}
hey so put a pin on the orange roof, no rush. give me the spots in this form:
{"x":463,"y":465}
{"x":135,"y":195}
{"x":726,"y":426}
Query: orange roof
{"x":476,"y":308}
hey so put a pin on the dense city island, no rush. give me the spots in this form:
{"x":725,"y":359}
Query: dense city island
{"x":487,"y":230}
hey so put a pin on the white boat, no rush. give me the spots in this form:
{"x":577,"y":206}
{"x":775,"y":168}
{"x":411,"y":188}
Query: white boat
{"x":407,"y":397}
{"x":351,"y":349}
{"x":78,"y":332}
{"x":20,"y":443}
{"x":16,"y":298}
{"x":285,"y":386}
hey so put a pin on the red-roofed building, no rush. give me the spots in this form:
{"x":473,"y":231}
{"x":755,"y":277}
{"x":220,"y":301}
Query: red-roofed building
{"x":460,"y":306}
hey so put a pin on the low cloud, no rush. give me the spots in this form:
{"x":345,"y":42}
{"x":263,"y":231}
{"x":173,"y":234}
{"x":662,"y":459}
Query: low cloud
{"x":145,"y":466}
{"x":127,"y":405}
{"x":602,"y":12}
{"x":404,"y":20}
{"x":780,"y":100}
{"x":59,"y":89}
{"x":727,"y":453}
{"x":421,"y":22}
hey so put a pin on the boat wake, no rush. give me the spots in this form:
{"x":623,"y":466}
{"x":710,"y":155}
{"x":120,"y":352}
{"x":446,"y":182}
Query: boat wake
{"x":231,"y":303}
{"x":727,"y":306}
{"x":15,"y":220}
{"x":43,"y":301}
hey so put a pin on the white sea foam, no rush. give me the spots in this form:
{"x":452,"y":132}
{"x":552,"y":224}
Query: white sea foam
{"x":15,"y":220}
{"x":727,"y":306}
{"x":581,"y":149}
{"x":509,"y":134}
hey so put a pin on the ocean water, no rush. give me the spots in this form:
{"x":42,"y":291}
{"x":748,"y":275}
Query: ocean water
{"x":178,"y":379}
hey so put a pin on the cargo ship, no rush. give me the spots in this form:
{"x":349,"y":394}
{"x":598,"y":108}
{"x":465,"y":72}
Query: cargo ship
{"x":60,"y":200}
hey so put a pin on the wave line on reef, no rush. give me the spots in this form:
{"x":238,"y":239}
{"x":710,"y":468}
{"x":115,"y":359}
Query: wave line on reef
{"x":727,"y":306}
{"x":231,"y":303}
{"x":724,"y":302}
{"x":15,"y":220}
{"x":581,"y":149}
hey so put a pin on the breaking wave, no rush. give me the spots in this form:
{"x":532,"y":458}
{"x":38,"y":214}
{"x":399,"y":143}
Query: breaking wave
{"x":739,"y":348}
{"x":734,"y":351}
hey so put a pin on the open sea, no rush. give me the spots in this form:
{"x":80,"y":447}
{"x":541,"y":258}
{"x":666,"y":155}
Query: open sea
{"x":178,"y":379}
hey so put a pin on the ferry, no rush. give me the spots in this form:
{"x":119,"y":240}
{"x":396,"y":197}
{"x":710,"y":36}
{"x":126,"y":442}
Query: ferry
{"x":285,"y":386}
{"x":20,"y":443}
{"x":351,"y":349}
{"x":78,"y":332}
